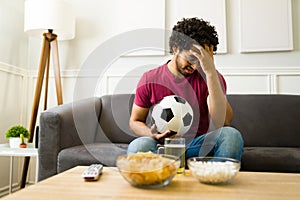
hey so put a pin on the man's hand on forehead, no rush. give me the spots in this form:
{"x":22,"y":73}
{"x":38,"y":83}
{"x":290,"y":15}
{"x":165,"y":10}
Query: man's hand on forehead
{"x":196,"y":48}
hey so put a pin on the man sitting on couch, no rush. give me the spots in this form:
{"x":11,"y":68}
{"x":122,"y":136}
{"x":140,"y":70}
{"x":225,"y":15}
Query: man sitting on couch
{"x":191,"y":74}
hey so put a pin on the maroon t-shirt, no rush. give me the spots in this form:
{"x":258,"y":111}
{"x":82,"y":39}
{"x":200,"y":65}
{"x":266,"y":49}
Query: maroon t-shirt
{"x":160,"y":82}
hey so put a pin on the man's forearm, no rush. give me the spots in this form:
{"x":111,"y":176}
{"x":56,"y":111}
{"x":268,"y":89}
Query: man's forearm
{"x":216,"y":100}
{"x":140,"y":128}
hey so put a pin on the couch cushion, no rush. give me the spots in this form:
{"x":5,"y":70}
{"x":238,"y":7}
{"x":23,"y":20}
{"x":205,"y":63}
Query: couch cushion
{"x":114,"y":118}
{"x":104,"y":153}
{"x":267,"y":120}
{"x":271,"y":159}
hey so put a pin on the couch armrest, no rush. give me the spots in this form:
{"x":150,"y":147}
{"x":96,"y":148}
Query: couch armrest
{"x":65,"y":126}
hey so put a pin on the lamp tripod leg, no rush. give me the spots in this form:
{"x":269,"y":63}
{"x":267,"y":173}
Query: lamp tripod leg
{"x":55,"y":56}
{"x":47,"y":81}
{"x":36,"y":100}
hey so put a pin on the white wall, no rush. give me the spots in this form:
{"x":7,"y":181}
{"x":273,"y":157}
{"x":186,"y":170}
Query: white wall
{"x":13,"y":78}
{"x":97,"y":22}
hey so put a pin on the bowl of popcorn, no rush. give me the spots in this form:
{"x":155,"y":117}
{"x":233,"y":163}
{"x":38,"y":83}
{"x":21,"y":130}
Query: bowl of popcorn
{"x":148,"y":170}
{"x":213,"y":170}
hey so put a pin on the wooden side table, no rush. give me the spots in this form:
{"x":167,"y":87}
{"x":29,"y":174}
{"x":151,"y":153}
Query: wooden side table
{"x":30,"y":151}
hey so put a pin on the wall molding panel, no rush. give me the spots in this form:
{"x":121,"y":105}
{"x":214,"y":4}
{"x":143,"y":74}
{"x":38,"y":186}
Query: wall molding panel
{"x":240,"y":80}
{"x":11,"y":69}
{"x":269,"y":36}
{"x":217,"y":18}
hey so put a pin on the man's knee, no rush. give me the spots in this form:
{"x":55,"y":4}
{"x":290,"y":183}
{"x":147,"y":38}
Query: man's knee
{"x":233,"y":134}
{"x":142,"y":144}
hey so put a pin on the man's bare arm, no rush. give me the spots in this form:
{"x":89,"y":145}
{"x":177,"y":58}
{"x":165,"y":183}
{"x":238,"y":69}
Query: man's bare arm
{"x":229,"y":115}
{"x":216,"y":101}
{"x":137,"y":121}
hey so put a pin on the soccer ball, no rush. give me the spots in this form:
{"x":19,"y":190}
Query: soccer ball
{"x":172,"y":113}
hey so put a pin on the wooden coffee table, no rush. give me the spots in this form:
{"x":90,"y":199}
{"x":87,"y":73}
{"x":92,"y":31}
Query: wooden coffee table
{"x":111,"y":185}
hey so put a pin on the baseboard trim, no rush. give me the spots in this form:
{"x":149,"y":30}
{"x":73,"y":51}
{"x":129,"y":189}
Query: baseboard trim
{"x":5,"y":190}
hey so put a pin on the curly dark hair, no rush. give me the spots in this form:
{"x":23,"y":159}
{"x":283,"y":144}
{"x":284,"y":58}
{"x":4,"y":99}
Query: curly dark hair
{"x":191,"y":31}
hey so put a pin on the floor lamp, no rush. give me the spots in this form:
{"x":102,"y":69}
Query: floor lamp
{"x":46,"y":17}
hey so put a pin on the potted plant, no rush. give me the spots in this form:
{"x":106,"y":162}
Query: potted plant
{"x":16,"y":135}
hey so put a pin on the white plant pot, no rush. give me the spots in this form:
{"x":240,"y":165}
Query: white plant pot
{"x":14,"y":142}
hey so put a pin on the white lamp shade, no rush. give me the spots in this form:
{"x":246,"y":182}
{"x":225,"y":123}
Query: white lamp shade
{"x":42,"y":15}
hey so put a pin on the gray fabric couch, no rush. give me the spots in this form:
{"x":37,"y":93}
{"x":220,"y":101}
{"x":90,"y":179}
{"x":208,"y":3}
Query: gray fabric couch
{"x":96,"y":130}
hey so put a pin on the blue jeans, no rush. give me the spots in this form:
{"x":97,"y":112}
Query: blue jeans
{"x":224,"y":142}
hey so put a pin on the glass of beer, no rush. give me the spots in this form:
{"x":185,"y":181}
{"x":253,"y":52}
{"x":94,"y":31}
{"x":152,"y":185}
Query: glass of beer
{"x":175,"y":147}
